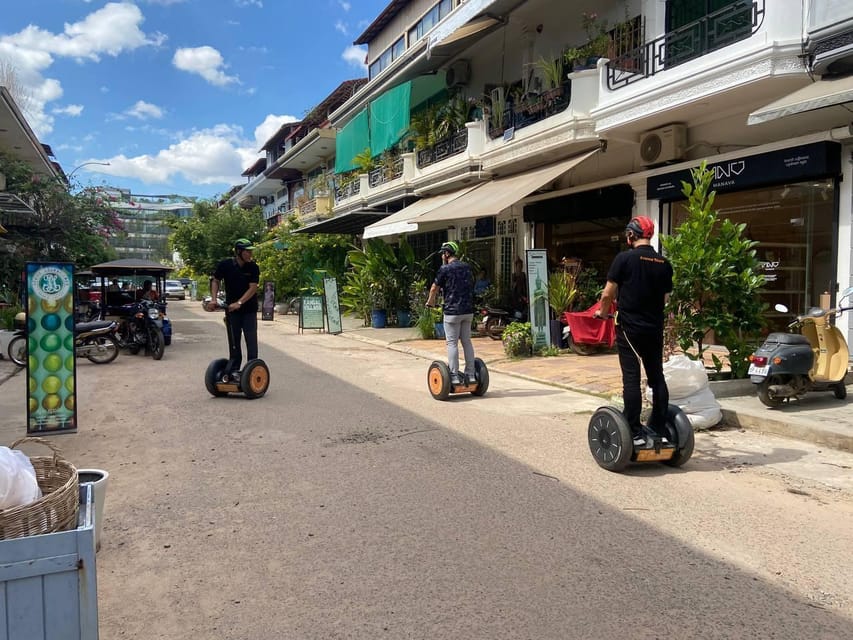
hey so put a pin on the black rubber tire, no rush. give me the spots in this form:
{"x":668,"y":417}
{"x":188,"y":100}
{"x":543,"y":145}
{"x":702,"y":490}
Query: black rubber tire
{"x":494,"y":327}
{"x":212,"y":376}
{"x":156,"y":342}
{"x":840,"y":390}
{"x":764,"y":393}
{"x":683,"y":450}
{"x":103,"y":357}
{"x":438,"y":380}
{"x":133,"y":349}
{"x":167,"y":340}
{"x":580,"y":348}
{"x":17,"y":350}
{"x":255,"y":379}
{"x":482,"y":373}
{"x":610,"y":440}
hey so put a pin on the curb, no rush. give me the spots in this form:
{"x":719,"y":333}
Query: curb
{"x":794,"y":430}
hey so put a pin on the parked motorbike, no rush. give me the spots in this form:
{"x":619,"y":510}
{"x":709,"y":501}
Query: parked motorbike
{"x":95,"y":341}
{"x":496,"y":320}
{"x":788,"y":365}
{"x":141,"y":327}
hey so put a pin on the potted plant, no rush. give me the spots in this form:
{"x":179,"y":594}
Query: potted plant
{"x":518,"y":340}
{"x":497,"y":109}
{"x":551,"y":69}
{"x":562,"y":291}
{"x":598,"y":43}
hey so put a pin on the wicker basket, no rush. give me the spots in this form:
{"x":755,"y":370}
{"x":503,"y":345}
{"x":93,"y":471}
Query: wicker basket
{"x":57,"y":509}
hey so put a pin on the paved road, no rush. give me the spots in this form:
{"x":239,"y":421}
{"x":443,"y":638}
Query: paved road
{"x":348,"y":504}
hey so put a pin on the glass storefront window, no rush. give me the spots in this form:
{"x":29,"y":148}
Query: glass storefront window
{"x":794,"y":226}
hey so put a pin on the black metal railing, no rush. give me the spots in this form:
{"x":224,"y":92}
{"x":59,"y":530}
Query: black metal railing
{"x":347,"y":190}
{"x":534,"y":108}
{"x":450,"y":146}
{"x":714,"y":31}
{"x":384,"y":174}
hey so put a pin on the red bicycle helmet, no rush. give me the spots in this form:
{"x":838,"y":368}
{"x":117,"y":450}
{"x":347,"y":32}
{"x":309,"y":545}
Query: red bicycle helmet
{"x":641,"y":227}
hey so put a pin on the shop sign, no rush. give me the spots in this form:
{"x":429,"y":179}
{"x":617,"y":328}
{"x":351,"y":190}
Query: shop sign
{"x":311,"y":313}
{"x":333,"y":307}
{"x":537,"y":285}
{"x":51,"y":367}
{"x":816,"y":160}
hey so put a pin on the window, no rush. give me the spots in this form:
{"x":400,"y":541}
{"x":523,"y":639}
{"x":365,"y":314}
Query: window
{"x":415,"y":33}
{"x":695,"y":27}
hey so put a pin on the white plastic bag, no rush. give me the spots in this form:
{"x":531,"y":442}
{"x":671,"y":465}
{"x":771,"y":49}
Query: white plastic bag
{"x":684,"y":376}
{"x":18,"y":484}
{"x":702,"y":408}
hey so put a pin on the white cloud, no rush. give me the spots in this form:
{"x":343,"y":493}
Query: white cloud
{"x":249,"y":3}
{"x":111,"y":30}
{"x":165,"y":2}
{"x":340,"y":26}
{"x":72,"y":110}
{"x":210,"y":156}
{"x":355,"y":56}
{"x":206,"y":62}
{"x":346,"y":6}
{"x":144,"y":110}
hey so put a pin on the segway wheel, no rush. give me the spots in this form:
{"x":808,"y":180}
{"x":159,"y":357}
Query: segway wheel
{"x":255,"y":379}
{"x":840,"y":390}
{"x":213,"y":375}
{"x":482,"y":373}
{"x":680,"y":433}
{"x":610,"y":440}
{"x":438,"y":380}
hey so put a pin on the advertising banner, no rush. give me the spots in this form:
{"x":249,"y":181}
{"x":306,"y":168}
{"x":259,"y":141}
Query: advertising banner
{"x":268,"y":306}
{"x":311,"y":313}
{"x":51,"y":372}
{"x":333,"y":307}
{"x":537,"y":285}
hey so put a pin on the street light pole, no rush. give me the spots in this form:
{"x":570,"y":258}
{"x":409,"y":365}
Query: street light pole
{"x":80,"y":166}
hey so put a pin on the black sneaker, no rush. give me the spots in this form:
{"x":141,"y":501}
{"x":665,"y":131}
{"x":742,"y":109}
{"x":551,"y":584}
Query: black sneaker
{"x":639,"y":440}
{"x":472,"y":379}
{"x":456,"y":378}
{"x":657,"y":434}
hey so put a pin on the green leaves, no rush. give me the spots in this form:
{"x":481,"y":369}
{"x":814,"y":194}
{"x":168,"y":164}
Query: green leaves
{"x":716,"y":277}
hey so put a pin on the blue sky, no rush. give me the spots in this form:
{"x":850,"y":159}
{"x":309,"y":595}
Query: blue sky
{"x":177,"y":95}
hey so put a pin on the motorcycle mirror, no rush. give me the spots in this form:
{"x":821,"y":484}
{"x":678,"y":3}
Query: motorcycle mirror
{"x":781,"y":308}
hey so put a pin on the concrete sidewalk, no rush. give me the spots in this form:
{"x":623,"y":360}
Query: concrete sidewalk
{"x":818,"y":418}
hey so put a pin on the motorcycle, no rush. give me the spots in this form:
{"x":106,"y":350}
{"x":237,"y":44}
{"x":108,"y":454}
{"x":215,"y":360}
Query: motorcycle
{"x":495,"y":321}
{"x":787,"y":365}
{"x":96,"y":341}
{"x":141,"y":326}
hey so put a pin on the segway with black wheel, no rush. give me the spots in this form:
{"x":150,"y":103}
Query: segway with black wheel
{"x":612,"y":445}
{"x":441,"y":386}
{"x":252,"y":381}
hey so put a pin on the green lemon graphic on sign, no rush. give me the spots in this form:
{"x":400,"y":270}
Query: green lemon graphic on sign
{"x":51,"y":322}
{"x":69,"y":384}
{"x":51,"y":307}
{"x":51,"y":384}
{"x":51,"y":402}
{"x":52,"y":362}
{"x":34,"y":385}
{"x":69,"y":343}
{"x":69,"y":362}
{"x":69,"y":403}
{"x":34,"y":405}
{"x":51,"y":342}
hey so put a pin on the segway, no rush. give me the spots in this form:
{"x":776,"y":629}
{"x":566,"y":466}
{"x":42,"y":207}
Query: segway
{"x":441,"y":386}
{"x":612,"y":445}
{"x":252,"y":381}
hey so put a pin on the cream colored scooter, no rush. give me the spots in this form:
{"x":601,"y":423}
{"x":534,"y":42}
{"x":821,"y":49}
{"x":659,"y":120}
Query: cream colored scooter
{"x":788,"y":365}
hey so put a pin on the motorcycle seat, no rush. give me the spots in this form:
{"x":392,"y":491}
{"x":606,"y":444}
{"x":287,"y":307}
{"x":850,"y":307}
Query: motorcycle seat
{"x":787,"y":338}
{"x":93,"y":325}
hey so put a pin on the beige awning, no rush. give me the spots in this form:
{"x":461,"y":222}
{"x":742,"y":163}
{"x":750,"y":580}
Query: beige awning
{"x":828,"y":92}
{"x":491,"y":198}
{"x":404,"y":220}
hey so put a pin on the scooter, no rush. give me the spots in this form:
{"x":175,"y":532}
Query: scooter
{"x":252,"y":381}
{"x":612,"y":445}
{"x":788,"y":365}
{"x":496,"y":320}
{"x":441,"y":385}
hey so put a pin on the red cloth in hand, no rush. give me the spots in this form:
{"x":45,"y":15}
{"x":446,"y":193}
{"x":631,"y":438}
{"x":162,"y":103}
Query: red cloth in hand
{"x":587,"y":329}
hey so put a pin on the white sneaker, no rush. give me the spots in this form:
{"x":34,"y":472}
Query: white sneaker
{"x":639,"y":440}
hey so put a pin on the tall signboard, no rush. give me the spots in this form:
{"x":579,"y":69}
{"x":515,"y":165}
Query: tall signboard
{"x":333,"y":307}
{"x":537,"y":285}
{"x":268,"y":304}
{"x":51,"y":373}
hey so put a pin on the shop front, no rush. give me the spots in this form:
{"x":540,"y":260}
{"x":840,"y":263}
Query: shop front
{"x":788,"y":202}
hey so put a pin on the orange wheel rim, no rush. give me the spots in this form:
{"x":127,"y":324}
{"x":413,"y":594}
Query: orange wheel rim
{"x":435,"y":381}
{"x":259,"y":380}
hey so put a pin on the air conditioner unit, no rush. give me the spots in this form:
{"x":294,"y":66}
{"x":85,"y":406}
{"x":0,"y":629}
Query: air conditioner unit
{"x":458,"y":74}
{"x":663,"y":145}
{"x":264,"y":201}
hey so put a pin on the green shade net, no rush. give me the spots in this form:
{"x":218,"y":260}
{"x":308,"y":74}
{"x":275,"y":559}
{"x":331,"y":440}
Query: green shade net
{"x":427,"y":88}
{"x":389,"y":117}
{"x":350,"y":141}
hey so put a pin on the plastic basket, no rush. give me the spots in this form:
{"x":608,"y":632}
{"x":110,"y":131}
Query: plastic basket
{"x":57,"y":509}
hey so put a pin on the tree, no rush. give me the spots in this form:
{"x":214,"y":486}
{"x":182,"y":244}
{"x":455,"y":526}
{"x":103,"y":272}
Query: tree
{"x":716,"y":278}
{"x":208,"y":235}
{"x":68,"y":227}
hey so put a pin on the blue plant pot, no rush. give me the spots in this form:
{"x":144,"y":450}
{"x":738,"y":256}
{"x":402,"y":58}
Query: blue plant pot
{"x":439,"y":330}
{"x":404,"y":318}
{"x":378,"y":318}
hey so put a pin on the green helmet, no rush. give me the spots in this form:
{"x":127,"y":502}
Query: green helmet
{"x":243,"y":244}
{"x":450,"y":247}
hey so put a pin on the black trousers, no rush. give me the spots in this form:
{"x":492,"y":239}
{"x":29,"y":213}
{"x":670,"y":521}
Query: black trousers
{"x":647,"y":348}
{"x":241,"y":325}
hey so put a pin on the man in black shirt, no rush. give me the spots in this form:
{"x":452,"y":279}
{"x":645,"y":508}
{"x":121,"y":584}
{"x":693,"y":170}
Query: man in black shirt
{"x":643,"y":279}
{"x":456,"y":281}
{"x":241,"y":277}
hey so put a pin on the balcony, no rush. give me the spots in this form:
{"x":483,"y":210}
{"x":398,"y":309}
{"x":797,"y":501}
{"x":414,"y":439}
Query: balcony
{"x":711,"y":32}
{"x":450,"y":146}
{"x":315,"y":209}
